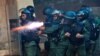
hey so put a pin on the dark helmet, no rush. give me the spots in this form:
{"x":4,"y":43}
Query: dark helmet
{"x":25,"y":11}
{"x":30,"y":8}
{"x":48,"y":10}
{"x":83,"y":13}
{"x":84,"y":7}
{"x":30,"y":16}
{"x":58,"y":12}
{"x":70,"y":15}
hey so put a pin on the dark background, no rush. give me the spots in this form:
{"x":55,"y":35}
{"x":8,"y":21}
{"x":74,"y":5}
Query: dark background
{"x":65,"y":5}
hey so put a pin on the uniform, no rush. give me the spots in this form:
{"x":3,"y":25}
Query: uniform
{"x":76,"y":44}
{"x":31,"y":41}
{"x":93,"y":34}
{"x":90,"y":24}
{"x":29,"y":38}
{"x":57,"y":44}
{"x":52,"y":33}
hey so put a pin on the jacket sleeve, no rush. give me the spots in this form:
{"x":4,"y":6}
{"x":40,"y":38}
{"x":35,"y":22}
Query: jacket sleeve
{"x":51,"y":29}
{"x":86,"y":33}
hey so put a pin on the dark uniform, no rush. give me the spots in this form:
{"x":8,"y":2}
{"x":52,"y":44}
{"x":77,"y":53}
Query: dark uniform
{"x":91,"y":26}
{"x":29,"y":38}
{"x":47,"y":12}
{"x":30,"y":15}
{"x":76,"y":44}
{"x":93,"y":35}
{"x":57,"y":46}
{"x":23,"y":21}
{"x":30,"y":41}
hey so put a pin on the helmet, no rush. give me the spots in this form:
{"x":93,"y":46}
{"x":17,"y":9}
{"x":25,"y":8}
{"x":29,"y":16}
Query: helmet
{"x":70,"y":15}
{"x":48,"y":11}
{"x":84,"y":7}
{"x":56,"y":12}
{"x":30,"y":16}
{"x":25,"y":11}
{"x":83,"y":13}
{"x":30,"y":8}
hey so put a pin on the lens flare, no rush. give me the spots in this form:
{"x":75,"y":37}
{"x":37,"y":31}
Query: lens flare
{"x":34,"y":25}
{"x":30,"y":26}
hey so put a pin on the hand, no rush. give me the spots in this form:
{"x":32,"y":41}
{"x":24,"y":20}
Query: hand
{"x":67,"y":34}
{"x":78,"y":35}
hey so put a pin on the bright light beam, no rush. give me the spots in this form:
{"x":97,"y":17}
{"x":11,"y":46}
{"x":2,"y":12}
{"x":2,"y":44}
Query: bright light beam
{"x":31,"y":26}
{"x":34,"y":25}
